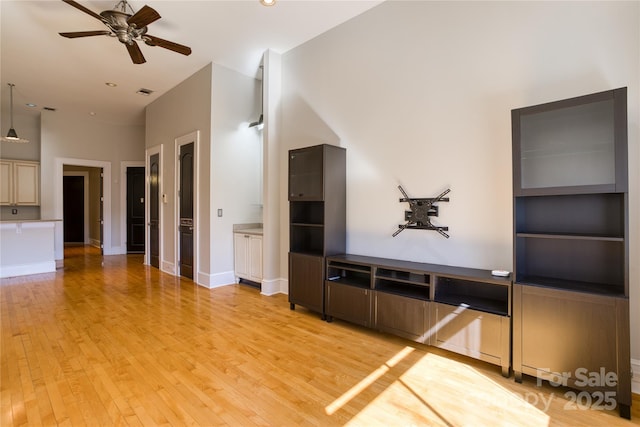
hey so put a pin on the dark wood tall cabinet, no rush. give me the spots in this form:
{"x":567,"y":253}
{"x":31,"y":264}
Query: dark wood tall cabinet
{"x":317,"y":220}
{"x":571,"y":285}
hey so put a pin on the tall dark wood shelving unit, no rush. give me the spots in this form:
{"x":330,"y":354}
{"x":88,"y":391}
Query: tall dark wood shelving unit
{"x":317,"y":220}
{"x":571,"y":285}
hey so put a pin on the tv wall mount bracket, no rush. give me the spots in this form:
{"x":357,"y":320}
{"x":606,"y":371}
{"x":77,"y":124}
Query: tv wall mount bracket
{"x":420,"y":213}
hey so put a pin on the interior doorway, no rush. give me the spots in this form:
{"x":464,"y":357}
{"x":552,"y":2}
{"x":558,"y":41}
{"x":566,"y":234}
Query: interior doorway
{"x":73,"y":194}
{"x":82,"y":205}
{"x":135,"y":209}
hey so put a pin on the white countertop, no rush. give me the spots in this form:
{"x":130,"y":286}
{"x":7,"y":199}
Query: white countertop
{"x":16,"y":221}
{"x":255,"y":231}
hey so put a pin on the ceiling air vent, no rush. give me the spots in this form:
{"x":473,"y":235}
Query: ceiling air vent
{"x":48,"y":108}
{"x":144,"y":92}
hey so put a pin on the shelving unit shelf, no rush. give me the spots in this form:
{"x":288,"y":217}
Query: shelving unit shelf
{"x":459,"y":309}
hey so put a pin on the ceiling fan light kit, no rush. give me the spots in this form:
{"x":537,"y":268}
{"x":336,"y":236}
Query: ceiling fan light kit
{"x":12,"y":135}
{"x":128,"y":28}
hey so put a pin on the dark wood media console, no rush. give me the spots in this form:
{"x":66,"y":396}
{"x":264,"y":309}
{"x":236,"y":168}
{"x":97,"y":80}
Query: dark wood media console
{"x":464,"y":310}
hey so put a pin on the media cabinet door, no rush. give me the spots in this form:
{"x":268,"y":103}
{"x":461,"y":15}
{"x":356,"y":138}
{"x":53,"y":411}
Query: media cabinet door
{"x":588,"y":334}
{"x":484,"y":336}
{"x":306,"y":277}
{"x":402,"y":316}
{"x":350,"y":303}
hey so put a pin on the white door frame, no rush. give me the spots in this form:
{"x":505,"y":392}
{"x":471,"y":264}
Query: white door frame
{"x":106,"y":203}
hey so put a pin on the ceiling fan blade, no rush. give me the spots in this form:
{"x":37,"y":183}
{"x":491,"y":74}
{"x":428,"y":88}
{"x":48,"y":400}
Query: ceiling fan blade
{"x":75,"y":34}
{"x":135,"y":53}
{"x":82,"y":8}
{"x":157,"y":41}
{"x":143,"y":17}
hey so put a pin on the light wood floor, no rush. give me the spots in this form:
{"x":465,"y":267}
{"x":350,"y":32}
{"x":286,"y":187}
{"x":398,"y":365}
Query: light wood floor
{"x":110,"y":342}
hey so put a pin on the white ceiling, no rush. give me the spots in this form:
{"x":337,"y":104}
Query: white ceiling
{"x":70,"y":74}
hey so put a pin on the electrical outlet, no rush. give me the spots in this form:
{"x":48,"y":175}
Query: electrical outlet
{"x":14,"y":211}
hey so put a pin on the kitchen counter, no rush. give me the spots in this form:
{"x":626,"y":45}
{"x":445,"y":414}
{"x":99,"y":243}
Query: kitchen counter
{"x":27,"y":247}
{"x":254,"y":231}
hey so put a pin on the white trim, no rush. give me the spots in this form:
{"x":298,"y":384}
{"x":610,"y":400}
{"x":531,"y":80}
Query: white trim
{"x":123,"y":198}
{"x":157,"y":149}
{"x":27,"y":224}
{"x":274,"y":287}
{"x":216,"y":280}
{"x":85,"y":189}
{"x":180,"y":141}
{"x":635,"y":381}
{"x":168,"y":267}
{"x":59,"y":163}
{"x":28,"y":269}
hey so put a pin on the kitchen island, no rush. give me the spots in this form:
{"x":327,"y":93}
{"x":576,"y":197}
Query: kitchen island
{"x":27,"y":247}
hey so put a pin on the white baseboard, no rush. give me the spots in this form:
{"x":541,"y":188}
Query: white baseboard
{"x":115,"y":250}
{"x":274,"y":286}
{"x":27,"y":269}
{"x":168,"y":267}
{"x":635,"y":381}
{"x":215,"y":280}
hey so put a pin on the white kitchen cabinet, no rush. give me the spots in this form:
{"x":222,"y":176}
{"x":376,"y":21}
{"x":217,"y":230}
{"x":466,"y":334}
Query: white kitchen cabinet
{"x":248,"y":256}
{"x":19,"y":183}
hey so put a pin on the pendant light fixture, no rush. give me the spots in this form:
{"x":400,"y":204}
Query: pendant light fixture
{"x":260,"y":122}
{"x":12,"y":136}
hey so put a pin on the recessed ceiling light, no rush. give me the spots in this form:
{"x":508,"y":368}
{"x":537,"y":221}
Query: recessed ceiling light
{"x":268,"y":2}
{"x":144,"y":92}
{"x":92,"y":113}
{"x":111,"y":84}
{"x":31,"y":105}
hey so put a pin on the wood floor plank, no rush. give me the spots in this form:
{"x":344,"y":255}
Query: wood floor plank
{"x":109,"y":341}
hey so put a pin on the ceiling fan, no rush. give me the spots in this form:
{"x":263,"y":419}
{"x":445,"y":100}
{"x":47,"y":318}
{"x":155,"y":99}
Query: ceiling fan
{"x":127,"y":27}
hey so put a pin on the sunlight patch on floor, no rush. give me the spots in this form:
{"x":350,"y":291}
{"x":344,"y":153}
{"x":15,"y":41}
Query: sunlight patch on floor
{"x":436,"y":390}
{"x":367,"y":381}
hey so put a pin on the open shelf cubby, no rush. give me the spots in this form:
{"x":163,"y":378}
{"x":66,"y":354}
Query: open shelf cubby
{"x":588,"y":265}
{"x":598,"y":215}
{"x":479,"y":296}
{"x":405,"y":289}
{"x":349,"y":274}
{"x":306,"y":212}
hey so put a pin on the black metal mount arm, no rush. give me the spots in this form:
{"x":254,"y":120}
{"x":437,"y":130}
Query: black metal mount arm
{"x":418,"y":217}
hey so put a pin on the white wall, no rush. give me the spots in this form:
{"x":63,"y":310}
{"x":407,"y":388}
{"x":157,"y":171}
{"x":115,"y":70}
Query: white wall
{"x":236,"y":168}
{"x":184,"y":109}
{"x":420,"y":93}
{"x":92,"y":143}
{"x":220,"y":104}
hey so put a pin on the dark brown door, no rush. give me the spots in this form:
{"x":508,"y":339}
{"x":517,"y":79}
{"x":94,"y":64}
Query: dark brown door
{"x":73,"y":208}
{"x":154,"y":210}
{"x":101,"y":211}
{"x":186,"y":210}
{"x":135,"y":209}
